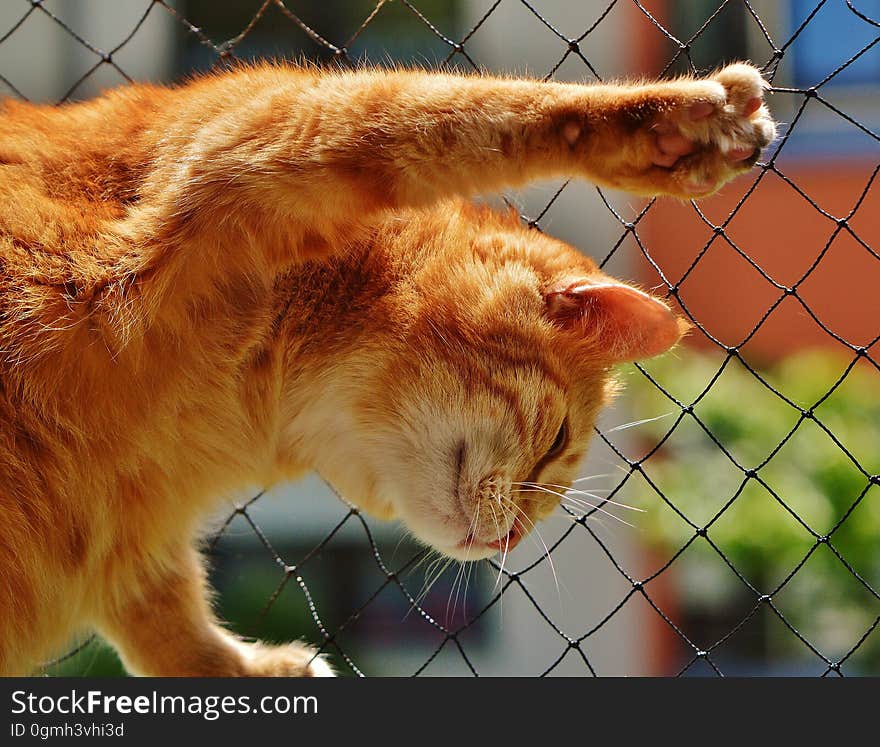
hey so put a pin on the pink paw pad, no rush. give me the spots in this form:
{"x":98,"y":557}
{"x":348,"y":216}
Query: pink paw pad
{"x":701,"y":110}
{"x":752,"y":106}
{"x":715,"y":135}
{"x":735,"y":155}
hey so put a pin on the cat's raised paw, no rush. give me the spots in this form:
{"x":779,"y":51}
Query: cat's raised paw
{"x":709,"y":131}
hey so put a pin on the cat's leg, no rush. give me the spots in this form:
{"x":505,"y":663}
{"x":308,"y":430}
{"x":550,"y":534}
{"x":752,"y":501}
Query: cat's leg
{"x":684,"y":138}
{"x":333,"y":148}
{"x":162,"y":625}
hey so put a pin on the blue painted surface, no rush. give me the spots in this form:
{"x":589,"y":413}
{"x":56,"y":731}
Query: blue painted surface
{"x":832,"y":37}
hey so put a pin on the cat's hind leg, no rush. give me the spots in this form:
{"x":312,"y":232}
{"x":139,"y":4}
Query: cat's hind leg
{"x":162,"y":625}
{"x":39,"y":603}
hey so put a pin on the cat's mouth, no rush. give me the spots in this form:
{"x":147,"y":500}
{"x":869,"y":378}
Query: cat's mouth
{"x":504,"y":544}
{"x":510,"y":540}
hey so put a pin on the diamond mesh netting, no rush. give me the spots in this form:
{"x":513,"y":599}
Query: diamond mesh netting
{"x":701,"y":447}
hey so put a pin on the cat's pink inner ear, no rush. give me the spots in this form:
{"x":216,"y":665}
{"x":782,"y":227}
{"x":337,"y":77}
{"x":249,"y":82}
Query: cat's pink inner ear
{"x":628,"y":323}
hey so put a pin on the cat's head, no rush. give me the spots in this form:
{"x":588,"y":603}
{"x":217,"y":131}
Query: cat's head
{"x":479,"y":417}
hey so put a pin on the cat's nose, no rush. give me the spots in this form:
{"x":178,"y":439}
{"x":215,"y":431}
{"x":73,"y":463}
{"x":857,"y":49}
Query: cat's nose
{"x":494,"y":487}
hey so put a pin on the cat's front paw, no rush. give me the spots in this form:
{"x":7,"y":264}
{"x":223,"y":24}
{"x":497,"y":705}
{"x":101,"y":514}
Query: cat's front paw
{"x":711,"y":130}
{"x":287,"y":660}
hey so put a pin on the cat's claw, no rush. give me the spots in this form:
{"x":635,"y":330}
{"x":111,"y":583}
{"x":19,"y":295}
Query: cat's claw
{"x":712,"y":132}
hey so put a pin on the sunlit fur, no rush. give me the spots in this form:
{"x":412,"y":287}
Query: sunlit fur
{"x":269,"y":271}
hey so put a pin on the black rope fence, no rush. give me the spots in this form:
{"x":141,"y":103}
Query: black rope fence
{"x":452,"y":628}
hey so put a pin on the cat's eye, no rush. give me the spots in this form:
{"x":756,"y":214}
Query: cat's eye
{"x":560,"y":441}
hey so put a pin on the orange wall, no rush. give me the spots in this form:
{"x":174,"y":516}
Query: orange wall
{"x":784,"y":235}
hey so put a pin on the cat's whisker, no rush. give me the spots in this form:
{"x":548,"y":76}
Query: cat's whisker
{"x":428,"y":571}
{"x":469,"y":543}
{"x":604,"y":499}
{"x":591,"y":494}
{"x":498,"y":533}
{"x":572,"y":514}
{"x":636,"y":423}
{"x":543,"y":543}
{"x":594,"y":477}
{"x":542,"y":488}
{"x":590,"y":508}
{"x":555,"y":485}
{"x":424,"y":594}
{"x":586,"y":505}
{"x":465,"y":573}
{"x":497,"y":528}
{"x":506,"y":541}
{"x":472,"y":528}
{"x":404,"y":533}
{"x":595,"y":493}
{"x":467,"y":580}
{"x":459,"y":586}
{"x":471,"y":538}
{"x":564,"y":497}
{"x":430,"y":579}
{"x":465,"y":567}
{"x":454,"y":590}
{"x":429,"y":554}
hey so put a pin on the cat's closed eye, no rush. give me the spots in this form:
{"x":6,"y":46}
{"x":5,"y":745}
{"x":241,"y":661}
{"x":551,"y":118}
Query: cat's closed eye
{"x":560,"y":442}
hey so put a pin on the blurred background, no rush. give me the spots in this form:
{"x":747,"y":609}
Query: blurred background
{"x":750,"y":454}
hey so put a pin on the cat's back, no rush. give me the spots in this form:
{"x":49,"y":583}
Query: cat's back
{"x":69,"y":171}
{"x":64,"y":170}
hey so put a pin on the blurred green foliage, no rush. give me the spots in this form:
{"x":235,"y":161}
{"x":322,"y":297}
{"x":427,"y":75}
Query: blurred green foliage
{"x":811,"y":474}
{"x":94,"y":659}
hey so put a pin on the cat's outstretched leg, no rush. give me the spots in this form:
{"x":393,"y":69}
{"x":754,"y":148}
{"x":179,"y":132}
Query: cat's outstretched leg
{"x":163,"y":626}
{"x":685,"y":138}
{"x":326,"y":150}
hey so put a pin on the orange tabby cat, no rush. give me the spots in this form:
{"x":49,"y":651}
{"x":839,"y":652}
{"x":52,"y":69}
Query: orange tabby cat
{"x":271,"y":270}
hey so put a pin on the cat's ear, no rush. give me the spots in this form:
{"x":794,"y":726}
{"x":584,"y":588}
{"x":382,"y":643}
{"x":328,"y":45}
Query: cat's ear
{"x":626,"y":322}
